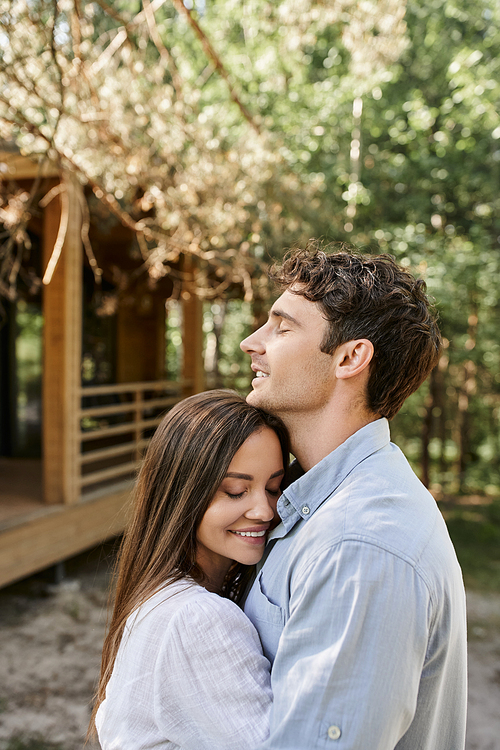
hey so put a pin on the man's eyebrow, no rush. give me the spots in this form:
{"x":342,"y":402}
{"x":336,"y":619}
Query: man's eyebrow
{"x":277,"y":313}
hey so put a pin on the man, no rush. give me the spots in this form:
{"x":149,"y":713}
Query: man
{"x":360,"y":604}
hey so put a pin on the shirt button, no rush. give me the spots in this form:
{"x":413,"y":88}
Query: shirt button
{"x":286,"y":503}
{"x":305,"y":510}
{"x":334,"y":732}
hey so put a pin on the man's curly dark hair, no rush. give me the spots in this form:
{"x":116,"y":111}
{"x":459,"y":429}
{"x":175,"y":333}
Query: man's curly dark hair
{"x":369,"y":297}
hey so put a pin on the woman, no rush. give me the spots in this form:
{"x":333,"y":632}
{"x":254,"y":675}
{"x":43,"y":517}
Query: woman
{"x":182,"y":666}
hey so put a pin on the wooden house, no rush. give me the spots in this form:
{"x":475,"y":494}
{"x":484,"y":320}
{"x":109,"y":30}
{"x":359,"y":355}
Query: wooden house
{"x":70,"y":444}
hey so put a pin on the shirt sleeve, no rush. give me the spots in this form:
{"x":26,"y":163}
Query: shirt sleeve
{"x":347,"y":670}
{"x":219,"y":693}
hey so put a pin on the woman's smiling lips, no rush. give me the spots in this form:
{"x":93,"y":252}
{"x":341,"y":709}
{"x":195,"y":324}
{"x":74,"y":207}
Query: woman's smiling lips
{"x":253,"y":535}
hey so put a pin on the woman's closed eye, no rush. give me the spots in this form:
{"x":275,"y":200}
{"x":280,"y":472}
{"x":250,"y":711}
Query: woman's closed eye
{"x":274,"y":491}
{"x":235,"y":496}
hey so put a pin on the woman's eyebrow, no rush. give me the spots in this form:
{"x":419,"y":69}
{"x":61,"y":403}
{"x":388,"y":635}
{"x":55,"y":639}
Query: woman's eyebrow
{"x":237,"y":475}
{"x":277,"y":474}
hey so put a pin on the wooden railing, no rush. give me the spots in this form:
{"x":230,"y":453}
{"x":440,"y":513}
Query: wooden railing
{"x":115,"y":425}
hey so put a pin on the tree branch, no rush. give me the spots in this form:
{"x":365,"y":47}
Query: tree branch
{"x":165,"y":55}
{"x":61,"y":234}
{"x":57,"y":66}
{"x":214,"y":57}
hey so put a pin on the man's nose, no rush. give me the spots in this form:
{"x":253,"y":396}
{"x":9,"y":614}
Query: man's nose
{"x":254,"y":343}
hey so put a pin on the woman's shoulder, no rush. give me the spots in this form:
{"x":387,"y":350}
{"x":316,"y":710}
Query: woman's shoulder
{"x":212,"y":633}
{"x":198,"y":615}
{"x":182,"y":618}
{"x":196,"y":603}
{"x":186,"y":601}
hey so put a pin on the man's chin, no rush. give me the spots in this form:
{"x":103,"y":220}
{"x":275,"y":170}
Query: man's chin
{"x":252,"y":398}
{"x":259,"y":400}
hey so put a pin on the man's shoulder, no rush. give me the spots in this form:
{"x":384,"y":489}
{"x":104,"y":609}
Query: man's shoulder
{"x":382,"y":482}
{"x":381,"y":503}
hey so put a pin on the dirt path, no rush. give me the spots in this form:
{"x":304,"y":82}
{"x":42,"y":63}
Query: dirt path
{"x":50,"y":642}
{"x":483,"y":727}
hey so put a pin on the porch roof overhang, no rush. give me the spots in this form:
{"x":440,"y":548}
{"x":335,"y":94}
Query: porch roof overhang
{"x":16,"y":166}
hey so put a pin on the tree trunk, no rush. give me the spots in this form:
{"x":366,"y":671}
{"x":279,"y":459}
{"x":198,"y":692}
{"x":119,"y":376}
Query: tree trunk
{"x":427,"y":425}
{"x":218,"y":328}
{"x":469,"y":388}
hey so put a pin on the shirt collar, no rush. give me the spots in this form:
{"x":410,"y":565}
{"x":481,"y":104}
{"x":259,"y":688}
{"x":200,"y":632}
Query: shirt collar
{"x":304,"y":495}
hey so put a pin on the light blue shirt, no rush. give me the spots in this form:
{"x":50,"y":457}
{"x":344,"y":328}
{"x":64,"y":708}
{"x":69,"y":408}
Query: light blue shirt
{"x":360,"y":607}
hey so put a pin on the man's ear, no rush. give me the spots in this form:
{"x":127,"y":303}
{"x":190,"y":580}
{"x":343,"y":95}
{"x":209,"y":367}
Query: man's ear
{"x":353,"y":358}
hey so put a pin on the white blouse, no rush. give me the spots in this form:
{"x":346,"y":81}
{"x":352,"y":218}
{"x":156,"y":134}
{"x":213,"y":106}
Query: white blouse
{"x":189,"y":674}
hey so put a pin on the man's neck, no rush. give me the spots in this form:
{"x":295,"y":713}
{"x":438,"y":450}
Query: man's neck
{"x":314,"y":436}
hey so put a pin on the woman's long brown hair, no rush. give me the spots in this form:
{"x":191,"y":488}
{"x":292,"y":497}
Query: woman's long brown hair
{"x":186,"y":461}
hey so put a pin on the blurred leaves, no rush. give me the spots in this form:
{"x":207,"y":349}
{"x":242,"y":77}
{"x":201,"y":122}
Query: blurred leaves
{"x":166,"y":114}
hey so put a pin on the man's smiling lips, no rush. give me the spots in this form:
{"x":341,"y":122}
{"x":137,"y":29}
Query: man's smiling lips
{"x":259,"y":373}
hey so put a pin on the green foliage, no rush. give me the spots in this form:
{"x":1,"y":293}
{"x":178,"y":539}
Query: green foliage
{"x":475,"y":531}
{"x":405,"y":160}
{"x":408,"y":162}
{"x":431,"y":174}
{"x":226,"y":324}
{"x":173,"y":341}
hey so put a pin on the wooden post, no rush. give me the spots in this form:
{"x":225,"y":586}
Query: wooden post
{"x":141,"y":338}
{"x":138,"y":397}
{"x":62,"y":308}
{"x":192,"y":338}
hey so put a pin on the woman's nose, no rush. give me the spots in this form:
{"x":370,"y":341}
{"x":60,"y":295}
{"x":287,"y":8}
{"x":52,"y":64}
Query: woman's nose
{"x":261,"y":509}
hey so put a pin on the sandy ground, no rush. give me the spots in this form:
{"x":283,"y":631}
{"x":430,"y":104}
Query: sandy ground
{"x":50,"y":642}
